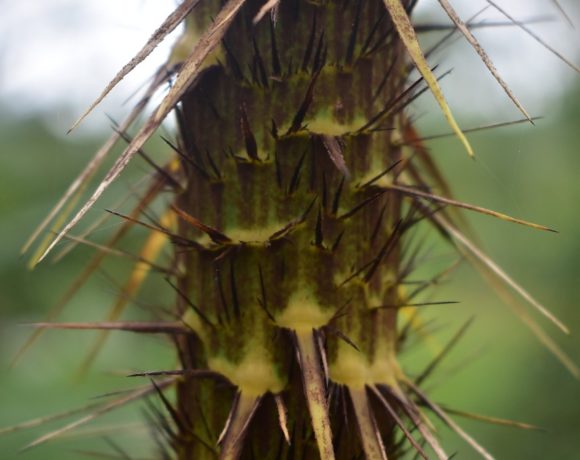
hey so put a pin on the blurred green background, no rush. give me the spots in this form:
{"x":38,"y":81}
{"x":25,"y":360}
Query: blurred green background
{"x":498,"y":369}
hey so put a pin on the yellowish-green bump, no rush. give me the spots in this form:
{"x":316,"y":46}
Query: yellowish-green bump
{"x":254,"y":375}
{"x":350,"y":368}
{"x":303,"y":313}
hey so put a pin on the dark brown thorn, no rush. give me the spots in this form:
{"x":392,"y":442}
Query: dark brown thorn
{"x":276,"y":66}
{"x":491,"y":420}
{"x":187,"y":141}
{"x":199,"y":169}
{"x":98,"y":223}
{"x":309,"y":45}
{"x":378,"y":223}
{"x":471,"y":130}
{"x":234,"y":290}
{"x":213,"y":165}
{"x":382,"y":174}
{"x":411,"y":6}
{"x":410,"y":258}
{"x":318,"y":59}
{"x":284,"y":231}
{"x":333,"y":147}
{"x":122,"y":454}
{"x":86,"y":453}
{"x":158,"y":436}
{"x":443,"y":353}
{"x":203,"y":417}
{"x":438,"y":27}
{"x":420,"y":422}
{"x":337,"y":195}
{"x":324,"y":187}
{"x":49,"y":418}
{"x":158,"y":169}
{"x":173,"y":438}
{"x":372,"y":32}
{"x":262,"y":286}
{"x":168,"y":25}
{"x":295,"y":181}
{"x":400,"y":107}
{"x":188,"y":301}
{"x":395,"y":416}
{"x":282,"y":450}
{"x":197,"y":373}
{"x":301,"y":113}
{"x":101,"y":410}
{"x":391,"y":103}
{"x":381,"y":42}
{"x":270,"y":316}
{"x":261,"y":67}
{"x":313,"y":173}
{"x":234,"y":64}
{"x":177,"y":239}
{"x":563,"y":12}
{"x":175,"y":416}
{"x":249,"y":139}
{"x":409,"y":327}
{"x":228,"y":152}
{"x":218,"y":280}
{"x":121,"y":253}
{"x":209,"y":103}
{"x":445,"y":39}
{"x":277,"y":167}
{"x":304,"y":215}
{"x":357,"y":272}
{"x":411,"y":218}
{"x":253,"y":68}
{"x":450,"y":423}
{"x":381,"y":129}
{"x":263,"y":301}
{"x":337,"y":241}
{"x":344,"y":404}
{"x":385,"y":250}
{"x":399,"y":452}
{"x":290,"y":68}
{"x":448,"y":201}
{"x":341,"y":335}
{"x":415,"y":305}
{"x":150,"y":215}
{"x":324,"y":57}
{"x":536,"y":37}
{"x":274,"y":130}
{"x":161,"y":423}
{"x":361,"y":205}
{"x":460,"y":366}
{"x":318,"y":230}
{"x":147,"y":327}
{"x":353,"y":34}
{"x":215,"y":235}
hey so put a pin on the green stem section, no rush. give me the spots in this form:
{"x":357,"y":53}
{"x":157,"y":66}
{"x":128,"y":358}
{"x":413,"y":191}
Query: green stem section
{"x":279,"y":238}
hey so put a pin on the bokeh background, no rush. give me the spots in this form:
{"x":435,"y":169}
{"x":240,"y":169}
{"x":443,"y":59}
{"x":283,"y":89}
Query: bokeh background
{"x":57,"y":54}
